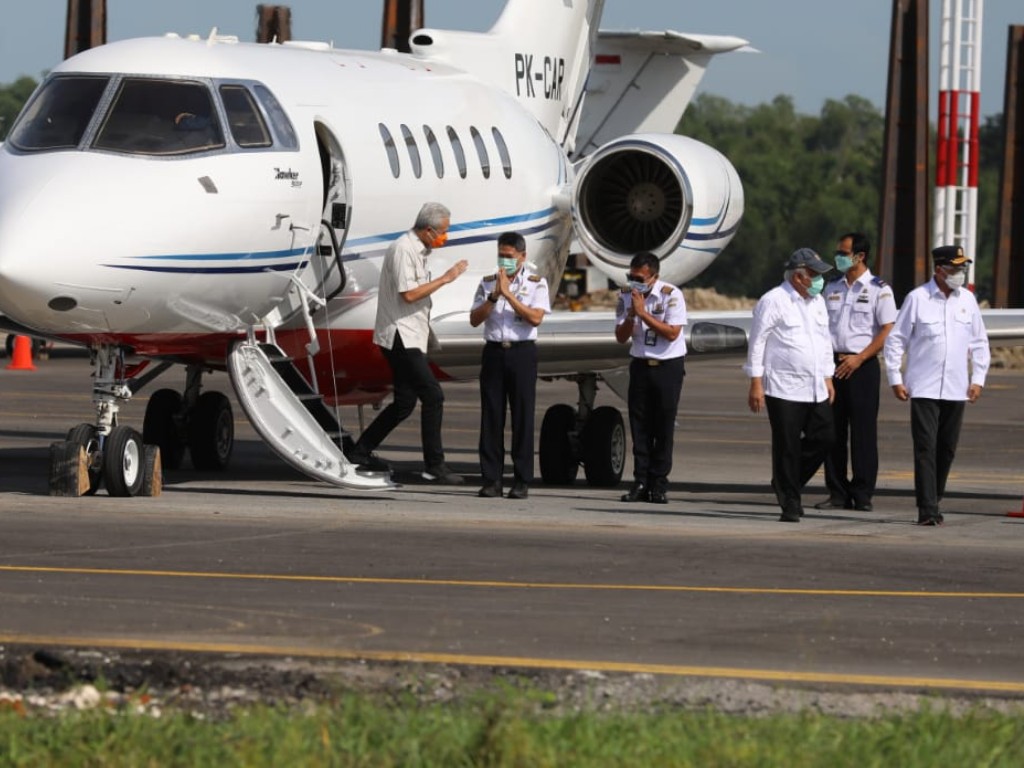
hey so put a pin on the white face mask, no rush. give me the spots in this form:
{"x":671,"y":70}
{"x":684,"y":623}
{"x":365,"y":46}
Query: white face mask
{"x":956,"y":280}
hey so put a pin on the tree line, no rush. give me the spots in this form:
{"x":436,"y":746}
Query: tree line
{"x":806,"y":178}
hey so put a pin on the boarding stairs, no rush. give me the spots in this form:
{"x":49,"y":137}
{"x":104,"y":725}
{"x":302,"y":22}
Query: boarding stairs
{"x":292,"y":418}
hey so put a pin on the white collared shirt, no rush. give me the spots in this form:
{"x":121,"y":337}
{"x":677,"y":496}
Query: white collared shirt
{"x":503,"y":324}
{"x":856,"y":313}
{"x":404,"y":268}
{"x":666,"y":303}
{"x":939,"y":333}
{"x":790,"y":346}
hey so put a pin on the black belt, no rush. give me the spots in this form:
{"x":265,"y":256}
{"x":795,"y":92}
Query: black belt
{"x":508,"y":344}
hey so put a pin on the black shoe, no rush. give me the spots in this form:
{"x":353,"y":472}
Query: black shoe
{"x":490,"y":491}
{"x":924,"y":517}
{"x":788,"y":517}
{"x":637,"y":493}
{"x":519,"y":490}
{"x":862,"y":506}
{"x":442,"y":476}
{"x":367,"y":461}
{"x":658,"y":497}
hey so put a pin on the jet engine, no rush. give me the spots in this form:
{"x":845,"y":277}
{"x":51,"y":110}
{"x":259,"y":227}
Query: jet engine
{"x":671,"y":195}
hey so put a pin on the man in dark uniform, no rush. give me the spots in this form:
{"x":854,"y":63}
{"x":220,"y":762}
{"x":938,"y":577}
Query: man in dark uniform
{"x":511,"y":304}
{"x":861,"y":310}
{"x":651,"y":314}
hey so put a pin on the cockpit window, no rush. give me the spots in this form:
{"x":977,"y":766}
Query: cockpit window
{"x":244,"y":120}
{"x":282,"y":125}
{"x":160,"y":117}
{"x":59,"y":114}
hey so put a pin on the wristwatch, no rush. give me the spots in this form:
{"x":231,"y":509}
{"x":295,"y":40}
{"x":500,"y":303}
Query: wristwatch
{"x":493,"y":298}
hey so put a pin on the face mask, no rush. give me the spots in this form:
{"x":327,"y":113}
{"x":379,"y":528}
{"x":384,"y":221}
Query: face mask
{"x":955,"y":280}
{"x":638,"y":285}
{"x":509,"y":266}
{"x":817,"y":283}
{"x":440,"y":239}
{"x":844,"y":263}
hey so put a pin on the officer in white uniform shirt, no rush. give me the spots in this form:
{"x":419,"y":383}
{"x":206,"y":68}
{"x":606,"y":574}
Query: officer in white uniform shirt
{"x":651,"y":315}
{"x":790,"y":365}
{"x":861,"y":310}
{"x":940,"y":329}
{"x":511,"y":304}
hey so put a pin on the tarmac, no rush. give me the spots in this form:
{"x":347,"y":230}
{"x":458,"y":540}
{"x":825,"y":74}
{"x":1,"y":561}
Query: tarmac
{"x":260,"y":560}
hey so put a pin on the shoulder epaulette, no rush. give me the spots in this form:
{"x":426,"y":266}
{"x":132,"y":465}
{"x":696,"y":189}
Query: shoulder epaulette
{"x":667,"y":289}
{"x":878,"y":281}
{"x":491,"y":278}
{"x":534,"y":278}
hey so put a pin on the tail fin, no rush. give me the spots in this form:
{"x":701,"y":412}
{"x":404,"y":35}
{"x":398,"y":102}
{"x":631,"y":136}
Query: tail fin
{"x":539,"y":51}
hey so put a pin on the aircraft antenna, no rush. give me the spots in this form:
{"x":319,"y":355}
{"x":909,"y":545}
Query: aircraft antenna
{"x":957,"y":148}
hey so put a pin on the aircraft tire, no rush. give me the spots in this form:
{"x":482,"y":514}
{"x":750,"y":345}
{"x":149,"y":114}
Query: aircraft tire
{"x":85,"y":436}
{"x":160,"y":428}
{"x":558,"y":462}
{"x":604,"y":447}
{"x":124,"y":462}
{"x":211,"y":432}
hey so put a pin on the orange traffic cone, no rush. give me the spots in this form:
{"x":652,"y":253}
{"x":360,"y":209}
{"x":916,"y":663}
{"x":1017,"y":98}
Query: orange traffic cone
{"x":1017,"y":514}
{"x":21,"y":359}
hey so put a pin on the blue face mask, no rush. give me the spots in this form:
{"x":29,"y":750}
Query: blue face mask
{"x":638,"y":285}
{"x":817,"y":283}
{"x":508,"y":265}
{"x":844,"y":263}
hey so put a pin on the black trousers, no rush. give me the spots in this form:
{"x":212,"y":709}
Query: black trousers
{"x":507,"y":375}
{"x":935,"y":428}
{"x":855,"y":413}
{"x":653,"y":402}
{"x":413,"y":380}
{"x":802,"y":434}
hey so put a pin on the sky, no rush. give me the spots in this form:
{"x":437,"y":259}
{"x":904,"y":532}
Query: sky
{"x":811,"y":50}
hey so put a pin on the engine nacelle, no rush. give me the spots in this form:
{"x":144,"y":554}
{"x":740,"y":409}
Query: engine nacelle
{"x":671,"y":195}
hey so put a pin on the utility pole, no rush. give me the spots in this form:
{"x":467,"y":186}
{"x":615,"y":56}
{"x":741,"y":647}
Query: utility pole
{"x":401,"y":18}
{"x":1008,"y":273}
{"x":273,"y":23}
{"x":86,"y":26}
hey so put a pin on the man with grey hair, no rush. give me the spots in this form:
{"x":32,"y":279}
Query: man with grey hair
{"x":790,"y":366}
{"x":403,"y":334}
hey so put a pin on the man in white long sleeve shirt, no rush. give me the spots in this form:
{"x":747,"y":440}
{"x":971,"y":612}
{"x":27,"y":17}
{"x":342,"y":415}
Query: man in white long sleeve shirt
{"x":939,"y":327}
{"x":790,"y":365}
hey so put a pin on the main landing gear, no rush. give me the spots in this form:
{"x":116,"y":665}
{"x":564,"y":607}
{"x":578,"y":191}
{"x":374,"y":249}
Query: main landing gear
{"x":131,"y":464}
{"x":593,"y":437}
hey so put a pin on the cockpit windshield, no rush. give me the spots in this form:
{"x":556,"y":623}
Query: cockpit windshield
{"x":59,"y":114}
{"x":152,"y":116}
{"x":160,"y":117}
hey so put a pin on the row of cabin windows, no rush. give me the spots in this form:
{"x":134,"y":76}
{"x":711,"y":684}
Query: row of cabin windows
{"x":434,"y":147}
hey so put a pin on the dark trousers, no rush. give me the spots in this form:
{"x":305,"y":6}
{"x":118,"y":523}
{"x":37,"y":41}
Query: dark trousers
{"x":935,"y":427}
{"x":802,"y":434}
{"x":653,"y":401}
{"x":507,"y":375}
{"x":413,"y":380}
{"x":855,"y":412}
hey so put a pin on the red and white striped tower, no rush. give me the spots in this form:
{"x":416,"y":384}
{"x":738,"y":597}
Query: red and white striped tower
{"x":956,"y":155}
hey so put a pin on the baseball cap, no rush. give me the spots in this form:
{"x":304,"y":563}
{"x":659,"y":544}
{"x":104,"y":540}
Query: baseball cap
{"x":806,"y":257}
{"x":949,"y":255}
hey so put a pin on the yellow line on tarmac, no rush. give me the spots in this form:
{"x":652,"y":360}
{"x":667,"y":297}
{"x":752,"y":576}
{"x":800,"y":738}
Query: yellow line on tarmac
{"x":511,"y":584}
{"x":679,"y":670}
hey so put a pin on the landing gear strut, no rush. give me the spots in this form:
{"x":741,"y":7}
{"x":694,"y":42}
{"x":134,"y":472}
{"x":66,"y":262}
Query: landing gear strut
{"x":593,"y":437}
{"x":105,"y":452}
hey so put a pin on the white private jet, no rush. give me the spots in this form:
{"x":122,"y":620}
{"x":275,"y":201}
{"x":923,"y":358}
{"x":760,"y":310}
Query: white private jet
{"x":225,"y":205}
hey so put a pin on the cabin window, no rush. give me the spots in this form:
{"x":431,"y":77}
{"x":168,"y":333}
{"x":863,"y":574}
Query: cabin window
{"x":414,"y":151}
{"x":278,"y":119}
{"x":59,"y":114}
{"x":435,"y":151}
{"x":506,"y":160}
{"x":160,"y":117}
{"x":460,"y":155}
{"x":391,"y":149}
{"x":244,"y":119}
{"x":481,"y":152}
